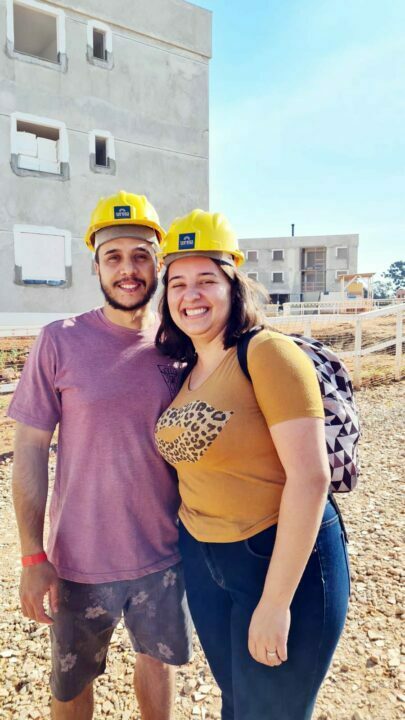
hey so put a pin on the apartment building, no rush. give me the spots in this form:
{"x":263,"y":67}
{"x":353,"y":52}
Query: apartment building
{"x":300,"y":268}
{"x":94,"y":97}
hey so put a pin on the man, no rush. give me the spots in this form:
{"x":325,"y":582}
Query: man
{"x":112,"y":545}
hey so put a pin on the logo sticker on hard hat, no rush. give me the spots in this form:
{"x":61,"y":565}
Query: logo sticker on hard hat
{"x":187,"y":241}
{"x":122,"y":212}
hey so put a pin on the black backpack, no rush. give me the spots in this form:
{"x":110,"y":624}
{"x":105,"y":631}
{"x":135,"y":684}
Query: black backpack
{"x":342,"y":426}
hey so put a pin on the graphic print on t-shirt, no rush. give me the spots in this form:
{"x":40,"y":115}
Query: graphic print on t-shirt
{"x":200,"y":424}
{"x":171,"y":377}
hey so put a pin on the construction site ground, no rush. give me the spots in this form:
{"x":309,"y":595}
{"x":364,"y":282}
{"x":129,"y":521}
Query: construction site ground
{"x":364,"y":681}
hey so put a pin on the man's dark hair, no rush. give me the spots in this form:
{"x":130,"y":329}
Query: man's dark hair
{"x":247,"y":298}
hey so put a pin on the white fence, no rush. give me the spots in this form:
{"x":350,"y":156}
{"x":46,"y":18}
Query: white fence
{"x":27,"y":324}
{"x":370,"y":343}
{"x":336,"y":307}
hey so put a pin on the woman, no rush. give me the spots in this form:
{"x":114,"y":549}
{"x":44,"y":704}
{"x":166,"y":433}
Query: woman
{"x":264,"y":552}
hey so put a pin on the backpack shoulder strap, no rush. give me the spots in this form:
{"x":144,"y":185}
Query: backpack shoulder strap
{"x":242,"y":348}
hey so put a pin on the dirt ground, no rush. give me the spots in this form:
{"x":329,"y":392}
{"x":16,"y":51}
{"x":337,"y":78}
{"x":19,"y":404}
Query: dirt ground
{"x":364,"y":681}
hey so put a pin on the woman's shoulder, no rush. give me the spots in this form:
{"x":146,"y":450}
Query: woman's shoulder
{"x":272,"y":346}
{"x":271,"y":338}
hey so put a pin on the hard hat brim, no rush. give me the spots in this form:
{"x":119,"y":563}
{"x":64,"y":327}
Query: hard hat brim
{"x":233,"y":259}
{"x":89,"y":237}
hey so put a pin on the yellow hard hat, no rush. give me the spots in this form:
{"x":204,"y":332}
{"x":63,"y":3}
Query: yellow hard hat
{"x":201,"y":233}
{"x":123,"y":209}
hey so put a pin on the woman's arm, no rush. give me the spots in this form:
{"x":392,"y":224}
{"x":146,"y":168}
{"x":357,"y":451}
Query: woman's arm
{"x":301,"y":447}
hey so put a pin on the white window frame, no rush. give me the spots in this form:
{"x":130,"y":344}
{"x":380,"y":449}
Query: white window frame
{"x":111,"y":165}
{"x":60,"y":33}
{"x":45,"y":122}
{"x":277,"y":272}
{"x":19,"y":230}
{"x":253,"y":275}
{"x":342,"y":247}
{"x":248,"y":259}
{"x":102,"y":27}
{"x":277,"y":250}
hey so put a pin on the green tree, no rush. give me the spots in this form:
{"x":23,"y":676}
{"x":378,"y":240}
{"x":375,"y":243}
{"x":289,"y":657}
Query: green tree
{"x":382,"y":288}
{"x":396,"y":273}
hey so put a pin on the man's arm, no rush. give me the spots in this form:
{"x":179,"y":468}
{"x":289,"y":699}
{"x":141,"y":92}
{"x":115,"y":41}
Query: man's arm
{"x":30,"y":491}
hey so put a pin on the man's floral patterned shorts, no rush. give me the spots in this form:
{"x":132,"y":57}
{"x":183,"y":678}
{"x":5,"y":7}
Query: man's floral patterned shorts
{"x":154,"y":610}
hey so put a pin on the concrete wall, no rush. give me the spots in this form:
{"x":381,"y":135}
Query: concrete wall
{"x":154,"y":101}
{"x":291,"y":265}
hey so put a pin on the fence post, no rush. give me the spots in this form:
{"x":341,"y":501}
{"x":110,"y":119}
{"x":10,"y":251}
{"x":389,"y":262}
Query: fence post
{"x":398,"y":345}
{"x":307,"y":326}
{"x":357,"y":354}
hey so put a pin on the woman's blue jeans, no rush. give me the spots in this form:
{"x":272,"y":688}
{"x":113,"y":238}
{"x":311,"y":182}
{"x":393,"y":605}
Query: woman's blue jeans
{"x":224,"y":582}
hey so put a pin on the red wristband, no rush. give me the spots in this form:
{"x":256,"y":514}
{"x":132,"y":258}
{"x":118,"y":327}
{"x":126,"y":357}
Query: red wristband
{"x":29,"y":560}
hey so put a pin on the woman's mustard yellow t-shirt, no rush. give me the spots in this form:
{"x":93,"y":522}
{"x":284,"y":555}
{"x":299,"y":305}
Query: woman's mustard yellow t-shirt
{"x":217,"y":437}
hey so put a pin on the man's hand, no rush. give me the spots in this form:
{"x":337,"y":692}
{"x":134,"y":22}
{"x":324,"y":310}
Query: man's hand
{"x":268,"y":634}
{"x":36,"y":582}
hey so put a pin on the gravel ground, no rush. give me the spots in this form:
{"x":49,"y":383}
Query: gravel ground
{"x":364,"y":682}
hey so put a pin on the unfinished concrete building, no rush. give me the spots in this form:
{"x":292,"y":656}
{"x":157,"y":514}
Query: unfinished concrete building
{"x":300,"y":268}
{"x":95,"y":96}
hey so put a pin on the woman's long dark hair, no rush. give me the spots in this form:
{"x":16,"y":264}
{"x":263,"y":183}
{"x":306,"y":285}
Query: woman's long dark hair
{"x":247,"y":298}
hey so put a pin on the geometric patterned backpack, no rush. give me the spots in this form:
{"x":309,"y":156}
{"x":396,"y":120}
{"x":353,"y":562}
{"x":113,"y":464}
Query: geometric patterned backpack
{"x":342,"y":426}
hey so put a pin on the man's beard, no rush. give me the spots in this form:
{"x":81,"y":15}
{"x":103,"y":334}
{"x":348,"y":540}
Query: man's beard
{"x":139,"y":304}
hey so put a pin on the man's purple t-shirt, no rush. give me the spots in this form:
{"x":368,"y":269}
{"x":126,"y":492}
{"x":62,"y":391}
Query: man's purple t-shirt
{"x":114,"y":504}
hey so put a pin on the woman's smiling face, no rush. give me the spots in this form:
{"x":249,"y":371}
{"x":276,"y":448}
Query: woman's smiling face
{"x":199,"y":297}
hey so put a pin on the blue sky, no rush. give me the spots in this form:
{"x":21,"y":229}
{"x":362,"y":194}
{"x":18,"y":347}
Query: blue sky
{"x":307,"y":120}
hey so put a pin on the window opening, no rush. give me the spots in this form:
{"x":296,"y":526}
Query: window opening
{"x":252,"y":255}
{"x":313,"y":266}
{"x":35,"y":33}
{"x":42,"y":256}
{"x":278,"y":254}
{"x":38,"y":147}
{"x":43,"y":131}
{"x":99,"y":45}
{"x":277,"y":277}
{"x":101,"y":152}
{"x":252,"y":275}
{"x":341,"y":253}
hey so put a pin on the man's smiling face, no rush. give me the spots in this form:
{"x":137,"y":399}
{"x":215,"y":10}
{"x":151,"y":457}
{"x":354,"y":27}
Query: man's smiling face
{"x":127,"y":269}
